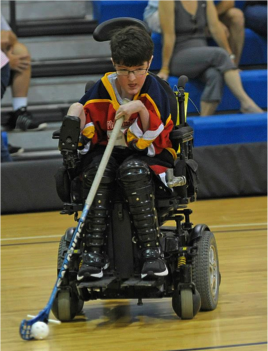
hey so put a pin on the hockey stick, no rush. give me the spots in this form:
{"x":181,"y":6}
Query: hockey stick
{"x":26,"y":325}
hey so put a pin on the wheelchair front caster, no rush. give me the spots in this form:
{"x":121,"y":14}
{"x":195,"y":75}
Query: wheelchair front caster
{"x":185,"y":303}
{"x":66,"y":305}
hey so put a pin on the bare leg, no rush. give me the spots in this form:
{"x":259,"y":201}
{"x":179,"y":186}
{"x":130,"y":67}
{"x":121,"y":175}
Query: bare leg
{"x":77,"y":110}
{"x":208,"y":108}
{"x":233,"y":81}
{"x":21,"y":80}
{"x":235,"y":22}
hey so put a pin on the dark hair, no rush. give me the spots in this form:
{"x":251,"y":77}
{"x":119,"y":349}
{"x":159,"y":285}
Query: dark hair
{"x":131,"y":46}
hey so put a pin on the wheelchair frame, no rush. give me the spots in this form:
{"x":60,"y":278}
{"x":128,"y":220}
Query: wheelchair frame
{"x":190,"y":252}
{"x":181,"y":246}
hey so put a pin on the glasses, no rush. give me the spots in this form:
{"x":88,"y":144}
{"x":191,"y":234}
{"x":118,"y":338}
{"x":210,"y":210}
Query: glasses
{"x":136,"y":72}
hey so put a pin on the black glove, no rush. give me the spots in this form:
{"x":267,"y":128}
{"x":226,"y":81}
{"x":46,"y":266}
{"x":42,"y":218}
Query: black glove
{"x":133,"y":146}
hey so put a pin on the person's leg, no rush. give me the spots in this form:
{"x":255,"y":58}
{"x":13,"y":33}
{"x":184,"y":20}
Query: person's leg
{"x":206,"y":64}
{"x":233,"y":81}
{"x":234,"y":21}
{"x":21,"y":80}
{"x":256,"y":18}
{"x":94,"y":257}
{"x":208,"y":108}
{"x":212,"y":93}
{"x":21,"y":118}
{"x":4,"y":79}
{"x":136,"y":180}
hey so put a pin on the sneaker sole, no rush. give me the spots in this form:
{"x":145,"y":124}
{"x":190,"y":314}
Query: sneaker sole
{"x":161,"y":274}
{"x":96,"y":275}
{"x":20,"y":151}
{"x":41,"y":126}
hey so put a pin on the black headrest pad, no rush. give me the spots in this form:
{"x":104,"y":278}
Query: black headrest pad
{"x":105,"y":30}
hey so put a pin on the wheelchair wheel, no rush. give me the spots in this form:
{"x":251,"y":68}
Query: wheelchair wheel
{"x":185,"y":303}
{"x":67,"y":303}
{"x":205,"y":268}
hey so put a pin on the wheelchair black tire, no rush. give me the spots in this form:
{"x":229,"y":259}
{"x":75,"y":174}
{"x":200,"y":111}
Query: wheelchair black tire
{"x":201,"y":270}
{"x":63,"y":248}
{"x":67,"y":303}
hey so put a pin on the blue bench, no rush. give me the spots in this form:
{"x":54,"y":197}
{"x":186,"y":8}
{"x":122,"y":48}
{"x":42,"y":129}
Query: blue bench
{"x":105,"y":10}
{"x":240,"y":4}
{"x":254,"y":83}
{"x":229,"y":129}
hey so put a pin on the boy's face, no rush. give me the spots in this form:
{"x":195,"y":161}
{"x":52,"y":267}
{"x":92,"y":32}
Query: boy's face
{"x":131,"y":79}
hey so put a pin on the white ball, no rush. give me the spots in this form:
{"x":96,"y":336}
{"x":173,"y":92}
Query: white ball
{"x":39,"y":330}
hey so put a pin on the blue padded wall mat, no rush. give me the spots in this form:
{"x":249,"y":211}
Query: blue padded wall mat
{"x":105,"y":10}
{"x":229,"y":129}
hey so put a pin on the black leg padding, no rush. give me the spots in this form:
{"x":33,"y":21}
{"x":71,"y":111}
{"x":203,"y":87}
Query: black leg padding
{"x":136,"y":180}
{"x":98,"y":216}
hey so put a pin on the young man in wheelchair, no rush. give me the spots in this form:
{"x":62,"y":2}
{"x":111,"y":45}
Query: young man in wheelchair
{"x":142,"y":153}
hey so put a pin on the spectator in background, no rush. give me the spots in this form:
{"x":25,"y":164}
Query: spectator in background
{"x":255,"y":13}
{"x":5,"y":74}
{"x":151,"y":16}
{"x":185,"y":51}
{"x":232,"y":20}
{"x":20,"y":75}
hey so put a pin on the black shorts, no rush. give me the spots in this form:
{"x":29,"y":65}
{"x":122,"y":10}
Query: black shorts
{"x":5,"y":78}
{"x":11,"y":77}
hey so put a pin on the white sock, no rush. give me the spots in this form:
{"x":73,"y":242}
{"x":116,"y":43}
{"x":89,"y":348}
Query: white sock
{"x":19,"y":102}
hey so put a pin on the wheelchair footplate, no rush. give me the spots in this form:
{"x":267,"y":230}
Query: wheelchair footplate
{"x":103,"y":283}
{"x":142,"y":283}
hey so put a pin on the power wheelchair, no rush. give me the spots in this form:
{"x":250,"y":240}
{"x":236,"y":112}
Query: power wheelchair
{"x":190,"y":251}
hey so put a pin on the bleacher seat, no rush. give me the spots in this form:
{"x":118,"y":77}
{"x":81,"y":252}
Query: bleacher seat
{"x":105,"y":10}
{"x":229,"y":129}
{"x":239,"y":4}
{"x":254,"y":83}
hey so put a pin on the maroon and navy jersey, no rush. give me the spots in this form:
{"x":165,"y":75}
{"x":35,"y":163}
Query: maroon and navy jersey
{"x":100,"y":106}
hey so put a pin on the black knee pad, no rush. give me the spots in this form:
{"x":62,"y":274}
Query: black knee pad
{"x":109,"y":174}
{"x":134,"y":174}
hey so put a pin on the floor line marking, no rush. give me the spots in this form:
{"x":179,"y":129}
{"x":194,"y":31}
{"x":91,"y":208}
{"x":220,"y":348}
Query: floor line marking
{"x":222,"y":346}
{"x":59,"y":235}
{"x":236,"y":225}
{"x":33,"y":237}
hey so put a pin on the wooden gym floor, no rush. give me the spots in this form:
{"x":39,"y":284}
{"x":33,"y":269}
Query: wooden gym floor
{"x":29,"y":256}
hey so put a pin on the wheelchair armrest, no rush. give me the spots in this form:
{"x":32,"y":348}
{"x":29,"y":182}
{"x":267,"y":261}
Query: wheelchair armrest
{"x":68,"y":136}
{"x":182,"y":133}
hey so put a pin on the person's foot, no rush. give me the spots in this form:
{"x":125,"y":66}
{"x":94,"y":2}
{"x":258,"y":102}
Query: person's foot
{"x":251,"y":108}
{"x":154,"y":265}
{"x":15,"y":150}
{"x":92,"y":266}
{"x":22,"y":119}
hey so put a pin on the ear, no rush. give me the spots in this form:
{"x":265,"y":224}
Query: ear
{"x":150,"y":62}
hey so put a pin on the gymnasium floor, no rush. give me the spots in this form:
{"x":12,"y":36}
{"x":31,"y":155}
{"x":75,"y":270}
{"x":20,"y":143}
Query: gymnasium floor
{"x":29,"y":256}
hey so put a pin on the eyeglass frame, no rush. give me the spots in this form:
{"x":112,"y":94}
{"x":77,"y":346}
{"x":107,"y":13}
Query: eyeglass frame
{"x":135,"y":70}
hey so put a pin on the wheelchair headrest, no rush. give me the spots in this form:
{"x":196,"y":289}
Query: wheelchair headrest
{"x":105,"y":30}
